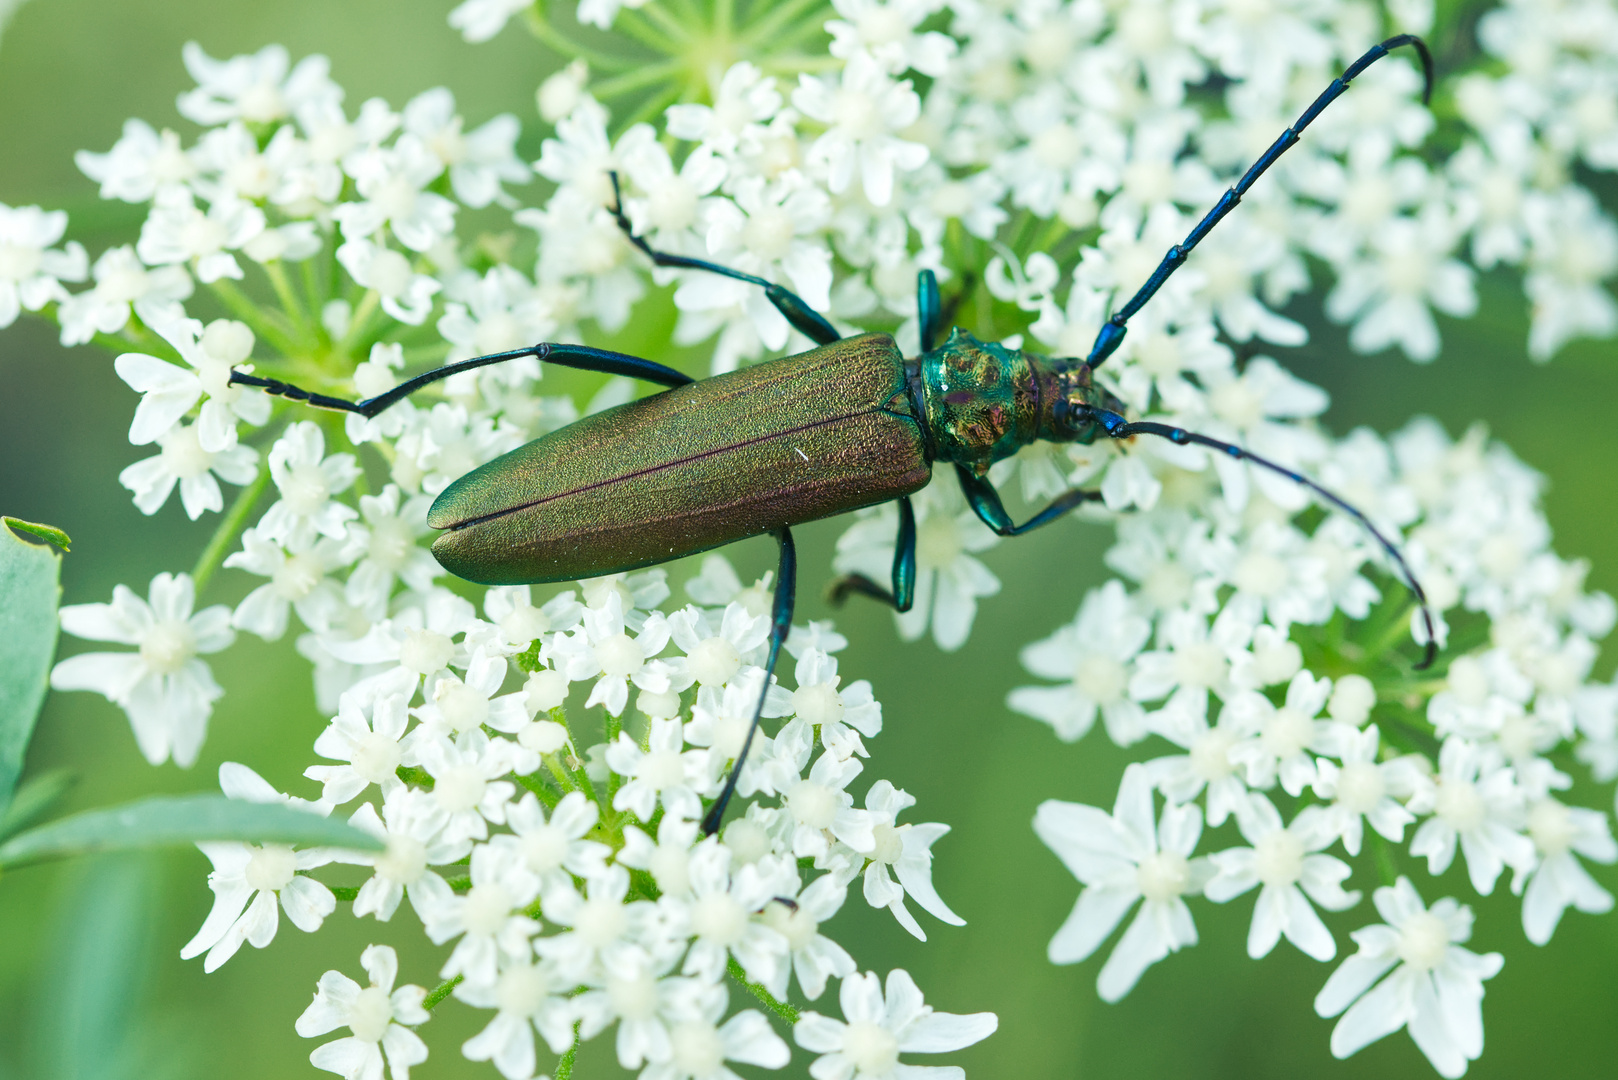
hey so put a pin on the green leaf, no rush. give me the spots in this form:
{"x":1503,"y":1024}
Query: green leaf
{"x":168,"y":820}
{"x":44,"y":532}
{"x":35,"y":796}
{"x":28,"y":596}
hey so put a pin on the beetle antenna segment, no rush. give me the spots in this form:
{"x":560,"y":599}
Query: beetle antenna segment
{"x":809,"y":322}
{"x":786,"y":591}
{"x":577,"y":356}
{"x":1119,"y":428}
{"x":1112,"y":331}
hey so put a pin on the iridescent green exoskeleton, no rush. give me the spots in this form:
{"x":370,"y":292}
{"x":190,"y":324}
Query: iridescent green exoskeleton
{"x":849,"y":424}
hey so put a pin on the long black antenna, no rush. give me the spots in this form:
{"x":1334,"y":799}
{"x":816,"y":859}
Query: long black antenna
{"x":1112,"y":331}
{"x":1119,"y":428}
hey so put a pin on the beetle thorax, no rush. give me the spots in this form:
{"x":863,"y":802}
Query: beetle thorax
{"x":983,"y":401}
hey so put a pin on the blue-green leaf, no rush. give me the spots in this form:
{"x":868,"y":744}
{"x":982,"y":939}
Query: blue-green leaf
{"x":35,"y":796}
{"x":167,"y":820}
{"x":28,"y":596}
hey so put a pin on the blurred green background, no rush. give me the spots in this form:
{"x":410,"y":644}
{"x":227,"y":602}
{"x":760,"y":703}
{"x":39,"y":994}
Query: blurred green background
{"x":91,"y":984}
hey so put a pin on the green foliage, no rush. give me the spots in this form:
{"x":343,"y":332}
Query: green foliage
{"x":29,"y":589}
{"x":167,"y":820}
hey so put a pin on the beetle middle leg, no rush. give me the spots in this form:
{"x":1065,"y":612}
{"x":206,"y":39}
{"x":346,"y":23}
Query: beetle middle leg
{"x":903,"y":595}
{"x":786,"y":589}
{"x":804,"y":318}
{"x":986,"y":504}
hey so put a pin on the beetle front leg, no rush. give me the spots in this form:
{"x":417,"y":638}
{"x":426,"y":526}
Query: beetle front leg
{"x":786,"y":591}
{"x":985,"y":502}
{"x":903,"y":595}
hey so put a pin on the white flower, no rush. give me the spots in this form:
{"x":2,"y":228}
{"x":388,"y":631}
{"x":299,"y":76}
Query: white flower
{"x":1388,"y":293}
{"x":660,"y":774}
{"x":743,"y":102}
{"x":489,"y":917}
{"x":1206,"y":763}
{"x":1364,"y":790}
{"x":1121,"y":858}
{"x":387,"y":547}
{"x":861,"y":116}
{"x":458,"y":706}
{"x":480,"y":20}
{"x":714,"y":657}
{"x":368,"y":744}
{"x":391,"y":183}
{"x":815,"y":957}
{"x":256,"y":88}
{"x":375,"y":1014}
{"x":1283,"y":737}
{"x":168,"y":391}
{"x":841,"y":715}
{"x":554,"y":849}
{"x":1283,"y":862}
{"x":307,"y":480}
{"x":1558,"y":881}
{"x":1435,"y":990}
{"x":879,"y":1027}
{"x":406,"y":294}
{"x":818,"y":808}
{"x":412,"y":827}
{"x":139,"y":165}
{"x":466,"y":788}
{"x":479,"y":160}
{"x":887,"y":32}
{"x":31,"y":273}
{"x":1094,"y":651}
{"x":183,"y":461}
{"x":527,"y":997}
{"x":1574,"y":246}
{"x":177,"y":231}
{"x":248,"y":879}
{"x":298,"y":579}
{"x":602,"y":647}
{"x":699,"y":1045}
{"x":608,"y":936}
{"x":907,"y":849}
{"x":718,"y":914}
{"x":122,"y":284}
{"x":166,"y":691}
{"x":1475,"y":799}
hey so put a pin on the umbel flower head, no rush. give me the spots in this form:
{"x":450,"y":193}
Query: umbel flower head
{"x":539,"y":764}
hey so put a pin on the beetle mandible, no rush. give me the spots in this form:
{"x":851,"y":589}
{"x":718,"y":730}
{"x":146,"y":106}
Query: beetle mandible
{"x":849,"y":424}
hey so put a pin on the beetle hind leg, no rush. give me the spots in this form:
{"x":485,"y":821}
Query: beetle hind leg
{"x":903,"y":595}
{"x":811,"y":323}
{"x":786,"y":589}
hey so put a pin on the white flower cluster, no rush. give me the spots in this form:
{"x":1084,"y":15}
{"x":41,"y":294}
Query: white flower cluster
{"x":572,"y":880}
{"x":1039,"y":157}
{"x":1213,"y":658}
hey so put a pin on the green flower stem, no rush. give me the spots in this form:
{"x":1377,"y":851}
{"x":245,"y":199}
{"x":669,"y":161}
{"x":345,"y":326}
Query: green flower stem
{"x":440,"y":992}
{"x":614,"y":726}
{"x":313,"y":293}
{"x":1383,"y":854}
{"x":723,"y":17}
{"x":581,"y":776}
{"x":634,"y":80}
{"x":564,"y":1064}
{"x":766,"y":28}
{"x":356,"y":326}
{"x":344,"y":893}
{"x":136,"y":339}
{"x":541,"y":791}
{"x":561,"y":774}
{"x":459,"y":884}
{"x":277,"y":274}
{"x":561,"y":43}
{"x":254,"y":316}
{"x":676,"y":31}
{"x":786,"y":1012}
{"x":228,"y":527}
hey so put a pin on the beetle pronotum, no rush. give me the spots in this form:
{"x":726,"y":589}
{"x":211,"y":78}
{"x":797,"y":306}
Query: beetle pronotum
{"x":849,"y":424}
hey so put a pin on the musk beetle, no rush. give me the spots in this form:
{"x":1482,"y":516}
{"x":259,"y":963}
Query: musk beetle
{"x":849,"y":424}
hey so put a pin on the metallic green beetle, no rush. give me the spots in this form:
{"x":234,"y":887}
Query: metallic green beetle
{"x":850,"y":424}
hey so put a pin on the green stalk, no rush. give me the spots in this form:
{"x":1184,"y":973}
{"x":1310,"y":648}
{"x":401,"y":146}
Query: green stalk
{"x":440,"y":992}
{"x":356,"y":325}
{"x":786,"y":1012}
{"x":277,"y":274}
{"x":634,"y":80}
{"x":253,"y":315}
{"x":672,"y":27}
{"x":633,"y":25}
{"x":765,"y":28}
{"x":561,"y":43}
{"x":229,"y":526}
{"x":564,"y":1064}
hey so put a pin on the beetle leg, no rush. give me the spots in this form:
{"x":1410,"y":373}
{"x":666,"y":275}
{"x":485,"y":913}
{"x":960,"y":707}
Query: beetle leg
{"x":573,"y":356}
{"x":1112,"y":331}
{"x":904,"y":569}
{"x":786,"y":588}
{"x":806,"y":319}
{"x":929,"y":310}
{"x":985,"y":502}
